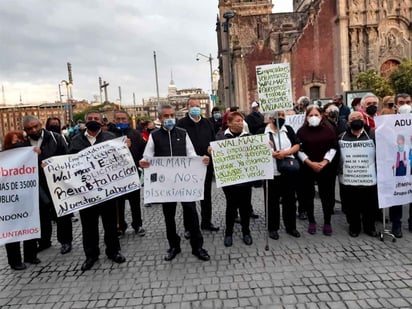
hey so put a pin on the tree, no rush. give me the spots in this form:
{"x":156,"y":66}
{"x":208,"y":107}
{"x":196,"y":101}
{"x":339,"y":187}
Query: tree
{"x":401,"y":78}
{"x":371,"y":80}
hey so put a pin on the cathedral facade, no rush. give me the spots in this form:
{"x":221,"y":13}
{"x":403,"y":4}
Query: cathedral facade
{"x":326,"y":42}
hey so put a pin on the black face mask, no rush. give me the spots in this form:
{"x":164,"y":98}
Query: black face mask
{"x":371,"y":110}
{"x":333,"y":114}
{"x":281,"y":122}
{"x":35,"y":135}
{"x":356,"y":124}
{"x":93,"y":126}
{"x":54,"y":128}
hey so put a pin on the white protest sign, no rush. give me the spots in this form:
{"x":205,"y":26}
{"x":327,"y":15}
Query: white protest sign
{"x":295,"y":121}
{"x":19,"y":195}
{"x":357,"y":163}
{"x":274,"y":87}
{"x":95,"y":174}
{"x":174,"y":179}
{"x":394,"y":158}
{"x":243,"y":159}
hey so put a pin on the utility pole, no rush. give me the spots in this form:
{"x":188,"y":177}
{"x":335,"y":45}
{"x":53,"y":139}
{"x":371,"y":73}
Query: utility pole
{"x":157,"y":81}
{"x":120,"y":97}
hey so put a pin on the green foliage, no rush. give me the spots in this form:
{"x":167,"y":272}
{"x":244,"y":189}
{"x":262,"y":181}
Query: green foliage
{"x":371,"y":80}
{"x":401,"y":78}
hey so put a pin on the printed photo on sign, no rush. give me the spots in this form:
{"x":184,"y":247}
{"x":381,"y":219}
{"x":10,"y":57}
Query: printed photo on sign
{"x":174,"y":179}
{"x":19,"y":195}
{"x":243,"y":159}
{"x":94,"y":175}
{"x":394,"y":159}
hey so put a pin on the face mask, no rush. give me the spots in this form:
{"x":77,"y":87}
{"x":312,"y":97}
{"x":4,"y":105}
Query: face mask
{"x":281,"y":122}
{"x":35,"y":135}
{"x":371,"y":110}
{"x":217,"y":116}
{"x":356,"y":124}
{"x":122,"y":126}
{"x":93,"y":126}
{"x":314,"y":121}
{"x":195,"y":111}
{"x":54,"y":128}
{"x":404,"y":109}
{"x":390,"y":105}
{"x":149,"y":130}
{"x":401,"y":148}
{"x":333,"y":114}
{"x":169,"y":123}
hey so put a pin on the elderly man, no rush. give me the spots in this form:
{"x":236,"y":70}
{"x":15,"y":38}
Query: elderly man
{"x":107,"y":210}
{"x":369,"y":103}
{"x":343,"y":109}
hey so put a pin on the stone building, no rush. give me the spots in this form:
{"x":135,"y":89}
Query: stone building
{"x":326,"y":42}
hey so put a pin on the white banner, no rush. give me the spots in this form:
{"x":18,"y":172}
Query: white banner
{"x":174,"y":179}
{"x":394,"y":159}
{"x":243,"y":159}
{"x":295,"y":121}
{"x":274,"y":87}
{"x":95,"y":174}
{"x":19,"y":195}
{"x":357,"y":163}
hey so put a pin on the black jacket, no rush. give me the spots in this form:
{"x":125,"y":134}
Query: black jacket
{"x":169,"y":143}
{"x":255,"y":121}
{"x":201,"y":133}
{"x":80,"y":141}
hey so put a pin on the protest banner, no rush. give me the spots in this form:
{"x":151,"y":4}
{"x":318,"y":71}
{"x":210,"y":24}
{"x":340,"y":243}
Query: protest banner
{"x":243,"y":159}
{"x":357,"y":163}
{"x":295,"y":121}
{"x":274,"y":87}
{"x":174,"y":179}
{"x":19,"y":195}
{"x":95,"y":174}
{"x":394,"y":159}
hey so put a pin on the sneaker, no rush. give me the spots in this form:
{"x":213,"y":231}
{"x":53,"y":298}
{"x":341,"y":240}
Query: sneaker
{"x":312,"y":228}
{"x":327,"y":230}
{"x":140,"y":231}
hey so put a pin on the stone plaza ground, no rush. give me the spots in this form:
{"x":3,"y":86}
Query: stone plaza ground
{"x":314,"y":271}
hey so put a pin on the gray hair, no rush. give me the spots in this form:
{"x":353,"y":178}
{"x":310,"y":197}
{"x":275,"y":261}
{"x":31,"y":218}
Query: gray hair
{"x":162,"y":107}
{"x":28,"y":118}
{"x":368,"y":95}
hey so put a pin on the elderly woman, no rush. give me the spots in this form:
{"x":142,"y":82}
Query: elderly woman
{"x":318,"y":148}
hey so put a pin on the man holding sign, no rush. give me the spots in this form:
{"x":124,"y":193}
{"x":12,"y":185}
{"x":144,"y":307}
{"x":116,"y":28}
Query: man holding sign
{"x":170,"y":141}
{"x":107,"y":210}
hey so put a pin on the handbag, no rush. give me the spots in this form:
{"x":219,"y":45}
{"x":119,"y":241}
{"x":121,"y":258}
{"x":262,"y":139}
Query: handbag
{"x":287,"y":165}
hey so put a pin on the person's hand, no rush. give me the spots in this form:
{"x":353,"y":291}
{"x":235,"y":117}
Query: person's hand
{"x":280,"y":154}
{"x":37,"y":150}
{"x":206,"y":160}
{"x":128,"y":142}
{"x":144,"y":163}
{"x":209,"y":149}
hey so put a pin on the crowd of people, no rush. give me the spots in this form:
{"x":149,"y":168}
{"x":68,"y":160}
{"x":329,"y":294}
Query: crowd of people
{"x":316,"y":150}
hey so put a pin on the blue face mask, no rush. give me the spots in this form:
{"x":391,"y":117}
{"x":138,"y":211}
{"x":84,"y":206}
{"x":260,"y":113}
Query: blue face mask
{"x":217,"y":116}
{"x":195,"y":111}
{"x":169,"y":123}
{"x":401,"y":148}
{"x":122,"y":126}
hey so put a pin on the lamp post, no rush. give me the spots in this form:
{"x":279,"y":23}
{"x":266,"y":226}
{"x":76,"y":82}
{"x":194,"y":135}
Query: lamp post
{"x":69,"y":105}
{"x":210,"y":59}
{"x":226,"y":26}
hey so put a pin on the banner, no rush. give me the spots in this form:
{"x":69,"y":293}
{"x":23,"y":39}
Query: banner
{"x":357,"y":163}
{"x":243,"y":159}
{"x":394,"y":159}
{"x":19,"y":195}
{"x":274,"y":87}
{"x":95,"y":174}
{"x":295,"y":121}
{"x":174,"y":179}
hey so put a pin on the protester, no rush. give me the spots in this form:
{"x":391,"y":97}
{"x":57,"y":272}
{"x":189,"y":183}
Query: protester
{"x":359,"y":196}
{"x":282,"y":187}
{"x":15,"y":139}
{"x":169,"y":141}
{"x":343,"y":109}
{"x":332,"y":115}
{"x":255,"y":119}
{"x":237,"y":196}
{"x":148,"y":127}
{"x":89,"y":217}
{"x":51,"y":144}
{"x":318,"y":148}
{"x":369,"y":105}
{"x":216,"y":119}
{"x":201,"y":133}
{"x":136,"y":146}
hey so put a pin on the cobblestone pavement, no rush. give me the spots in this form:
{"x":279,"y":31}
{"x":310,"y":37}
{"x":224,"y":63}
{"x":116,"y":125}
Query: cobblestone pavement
{"x":314,"y":271}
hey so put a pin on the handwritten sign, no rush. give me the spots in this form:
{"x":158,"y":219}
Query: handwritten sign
{"x":243,"y":159}
{"x":295,"y":121}
{"x":19,"y":195}
{"x":174,"y":179}
{"x":95,"y":174}
{"x":274,"y":87}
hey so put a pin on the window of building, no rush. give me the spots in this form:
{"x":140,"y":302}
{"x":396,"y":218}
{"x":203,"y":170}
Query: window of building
{"x":314,"y":92}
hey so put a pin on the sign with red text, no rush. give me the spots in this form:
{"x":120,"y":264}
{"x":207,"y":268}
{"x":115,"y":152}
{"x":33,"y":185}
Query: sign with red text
{"x":94,"y":175}
{"x":19,"y":195}
{"x":174,"y":179}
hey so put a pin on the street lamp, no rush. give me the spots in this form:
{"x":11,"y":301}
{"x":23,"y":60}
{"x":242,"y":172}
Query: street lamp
{"x":210,"y":59}
{"x":226,"y":25}
{"x":69,"y":105}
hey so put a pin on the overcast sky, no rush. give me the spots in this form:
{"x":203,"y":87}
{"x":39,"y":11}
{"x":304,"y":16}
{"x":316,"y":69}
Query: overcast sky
{"x":113,"y":39}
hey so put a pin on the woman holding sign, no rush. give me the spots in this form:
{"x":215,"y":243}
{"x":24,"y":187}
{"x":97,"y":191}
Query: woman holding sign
{"x":239,"y":195}
{"x":318,"y":148}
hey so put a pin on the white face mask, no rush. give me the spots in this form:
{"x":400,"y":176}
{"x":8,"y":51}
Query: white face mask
{"x":314,"y":121}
